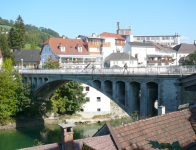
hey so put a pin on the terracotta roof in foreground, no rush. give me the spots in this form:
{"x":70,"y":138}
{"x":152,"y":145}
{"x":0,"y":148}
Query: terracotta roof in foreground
{"x":106,"y":34}
{"x":99,"y":143}
{"x":167,"y":128}
{"x":70,"y":45}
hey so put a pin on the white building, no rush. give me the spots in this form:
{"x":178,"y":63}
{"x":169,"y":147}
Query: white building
{"x":105,"y":43}
{"x":184,"y":50}
{"x":148,"y":54}
{"x":98,"y":104}
{"x":115,"y":60}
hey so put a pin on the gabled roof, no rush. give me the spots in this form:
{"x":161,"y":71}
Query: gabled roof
{"x":120,"y":57}
{"x":157,"y":45}
{"x":167,"y":128}
{"x":185,"y":48}
{"x":106,"y":34}
{"x":70,"y":46}
{"x":32,"y":55}
{"x":140,"y":44}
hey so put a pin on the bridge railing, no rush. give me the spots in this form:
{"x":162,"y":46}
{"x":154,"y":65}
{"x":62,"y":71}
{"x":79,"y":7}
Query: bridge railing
{"x":179,"y":70}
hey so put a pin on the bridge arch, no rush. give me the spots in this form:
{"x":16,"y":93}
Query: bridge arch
{"x":135,"y":90}
{"x":120,"y":92}
{"x":152,"y":98}
{"x":97,"y":84}
{"x":108,"y":86}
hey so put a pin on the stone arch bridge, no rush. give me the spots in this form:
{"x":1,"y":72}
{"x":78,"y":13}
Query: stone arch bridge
{"x":132,"y":92}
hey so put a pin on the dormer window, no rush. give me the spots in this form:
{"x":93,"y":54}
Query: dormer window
{"x":62,"y":48}
{"x":79,"y":49}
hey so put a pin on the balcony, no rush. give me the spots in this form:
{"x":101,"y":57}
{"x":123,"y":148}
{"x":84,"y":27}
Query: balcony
{"x":120,"y":44}
{"x":99,"y":44}
{"x":152,"y":61}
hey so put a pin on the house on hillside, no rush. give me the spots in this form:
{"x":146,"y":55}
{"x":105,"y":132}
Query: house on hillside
{"x":183,"y":50}
{"x":1,"y":59}
{"x":119,"y":59}
{"x":27,"y":58}
{"x":71,"y":53}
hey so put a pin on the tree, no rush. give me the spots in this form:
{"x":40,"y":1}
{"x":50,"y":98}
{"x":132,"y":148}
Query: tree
{"x":68,"y":98}
{"x":14,"y":95}
{"x":192,"y":59}
{"x":33,"y":43}
{"x":5,"y":50}
{"x":51,"y":64}
{"x":17,"y":35}
{"x":173,"y":146}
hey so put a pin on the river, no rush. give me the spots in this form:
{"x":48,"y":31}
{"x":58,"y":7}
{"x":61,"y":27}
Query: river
{"x":25,"y":137}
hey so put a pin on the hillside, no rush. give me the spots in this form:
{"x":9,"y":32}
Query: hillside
{"x":37,"y":35}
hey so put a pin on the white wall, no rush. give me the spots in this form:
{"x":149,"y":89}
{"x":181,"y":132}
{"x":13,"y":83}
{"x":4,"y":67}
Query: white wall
{"x":179,"y":55}
{"x":92,"y":106}
{"x":133,"y":63}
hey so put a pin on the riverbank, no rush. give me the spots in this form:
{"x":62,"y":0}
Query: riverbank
{"x":76,"y":119}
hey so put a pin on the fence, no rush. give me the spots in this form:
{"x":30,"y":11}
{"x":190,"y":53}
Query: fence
{"x":172,"y":70}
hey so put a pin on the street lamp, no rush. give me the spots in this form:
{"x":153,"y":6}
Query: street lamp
{"x":22,"y":64}
{"x":129,"y":58}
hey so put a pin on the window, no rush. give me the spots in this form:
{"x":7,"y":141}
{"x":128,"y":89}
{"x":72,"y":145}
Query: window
{"x":114,"y":62}
{"x":34,"y":66}
{"x":98,"y":109}
{"x":98,"y":99}
{"x":45,"y":49}
{"x":49,"y":49}
{"x":98,"y":49}
{"x":87,"y":88}
{"x":123,"y":62}
{"x":147,"y":38}
{"x":179,"y":56}
{"x":142,"y":38}
{"x":172,"y":55}
{"x":79,"y":49}
{"x":138,"y":38}
{"x":88,"y":99}
{"x":24,"y":65}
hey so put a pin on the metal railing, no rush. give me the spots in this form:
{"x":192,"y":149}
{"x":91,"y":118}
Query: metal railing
{"x":171,"y":70}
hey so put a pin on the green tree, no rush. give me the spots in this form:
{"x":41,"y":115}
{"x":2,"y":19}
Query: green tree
{"x":8,"y":99}
{"x":33,"y":42}
{"x":5,"y":50}
{"x":68,"y":98}
{"x":173,"y":146}
{"x":192,"y":59}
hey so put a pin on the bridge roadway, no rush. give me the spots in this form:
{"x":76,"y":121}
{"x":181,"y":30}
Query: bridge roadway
{"x":136,"y":89}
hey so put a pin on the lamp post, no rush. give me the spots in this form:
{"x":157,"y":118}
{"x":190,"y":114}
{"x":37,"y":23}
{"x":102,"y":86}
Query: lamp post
{"x":22,"y":64}
{"x":129,"y":58}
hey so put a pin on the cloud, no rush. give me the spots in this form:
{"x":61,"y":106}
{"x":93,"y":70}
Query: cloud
{"x":184,"y":38}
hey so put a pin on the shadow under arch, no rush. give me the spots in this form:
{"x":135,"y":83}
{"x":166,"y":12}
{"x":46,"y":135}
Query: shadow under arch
{"x":152,"y":98}
{"x":49,"y":87}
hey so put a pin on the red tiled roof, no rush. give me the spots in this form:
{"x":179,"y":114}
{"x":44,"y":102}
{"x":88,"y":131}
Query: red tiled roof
{"x":106,"y":34}
{"x":99,"y":143}
{"x":157,"y":45}
{"x":54,"y":42}
{"x":167,"y":128}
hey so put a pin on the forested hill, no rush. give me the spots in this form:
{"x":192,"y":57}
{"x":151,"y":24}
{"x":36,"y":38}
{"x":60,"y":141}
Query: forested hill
{"x":37,"y":35}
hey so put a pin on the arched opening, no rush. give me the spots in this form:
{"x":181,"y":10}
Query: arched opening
{"x":97,"y":83}
{"x":30,"y":80}
{"x":120,"y":88}
{"x":108,"y":87}
{"x":152,"y":99}
{"x":39,"y":81}
{"x":135,"y":96}
{"x":45,"y":79}
{"x":35,"y":81}
{"x":25,"y":80}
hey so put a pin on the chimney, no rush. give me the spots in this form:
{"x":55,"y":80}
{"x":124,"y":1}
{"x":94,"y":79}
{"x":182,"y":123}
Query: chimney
{"x":118,"y":25}
{"x":161,"y":110}
{"x":67,"y":135}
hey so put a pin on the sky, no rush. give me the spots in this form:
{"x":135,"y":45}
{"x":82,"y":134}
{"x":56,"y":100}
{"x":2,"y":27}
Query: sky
{"x":84,"y":17}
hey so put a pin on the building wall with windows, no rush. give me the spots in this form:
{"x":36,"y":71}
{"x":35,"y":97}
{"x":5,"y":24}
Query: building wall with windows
{"x":98,"y":104}
{"x":170,"y":40}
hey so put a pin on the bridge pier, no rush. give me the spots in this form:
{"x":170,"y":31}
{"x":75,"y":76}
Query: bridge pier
{"x":143,"y":100}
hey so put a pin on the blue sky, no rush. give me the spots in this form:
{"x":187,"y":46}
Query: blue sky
{"x":84,"y":17}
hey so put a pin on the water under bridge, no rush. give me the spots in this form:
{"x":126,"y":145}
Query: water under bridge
{"x":134,"y":89}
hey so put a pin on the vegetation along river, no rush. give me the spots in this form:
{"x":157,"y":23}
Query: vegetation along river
{"x":26,"y":137}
